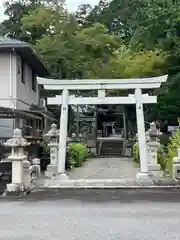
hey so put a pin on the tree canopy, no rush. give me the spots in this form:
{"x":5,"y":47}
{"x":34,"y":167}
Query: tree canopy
{"x":114,"y":39}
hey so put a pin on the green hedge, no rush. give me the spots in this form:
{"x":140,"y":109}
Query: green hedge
{"x":77,"y":155}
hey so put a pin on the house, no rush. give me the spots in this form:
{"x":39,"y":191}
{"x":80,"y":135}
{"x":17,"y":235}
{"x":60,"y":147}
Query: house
{"x":20,"y":103}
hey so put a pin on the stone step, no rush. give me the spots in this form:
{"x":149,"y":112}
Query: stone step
{"x":113,"y":145}
{"x":110,"y":148}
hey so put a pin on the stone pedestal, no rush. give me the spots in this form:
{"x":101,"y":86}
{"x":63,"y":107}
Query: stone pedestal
{"x":152,"y":151}
{"x":17,"y":184}
{"x":153,"y":165}
{"x":53,"y":136}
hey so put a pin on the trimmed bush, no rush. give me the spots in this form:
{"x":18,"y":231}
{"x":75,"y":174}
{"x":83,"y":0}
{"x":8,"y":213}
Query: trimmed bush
{"x":77,"y":154}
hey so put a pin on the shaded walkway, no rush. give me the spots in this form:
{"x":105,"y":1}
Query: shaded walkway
{"x":106,"y":168}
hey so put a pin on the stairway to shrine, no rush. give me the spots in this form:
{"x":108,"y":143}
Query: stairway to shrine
{"x":110,"y":148}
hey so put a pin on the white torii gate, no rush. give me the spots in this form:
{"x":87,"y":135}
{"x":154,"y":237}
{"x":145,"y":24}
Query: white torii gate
{"x":102,"y":85}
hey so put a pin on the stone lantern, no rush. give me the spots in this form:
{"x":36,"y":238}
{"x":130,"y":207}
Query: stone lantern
{"x":17,"y":144}
{"x":153,"y":144}
{"x":53,"y":137}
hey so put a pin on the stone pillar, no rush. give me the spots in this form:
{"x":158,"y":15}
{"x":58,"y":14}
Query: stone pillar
{"x":63,"y":134}
{"x":176,"y":167}
{"x":152,"y":151}
{"x":144,"y":176}
{"x":17,"y":157}
{"x":53,"y":136}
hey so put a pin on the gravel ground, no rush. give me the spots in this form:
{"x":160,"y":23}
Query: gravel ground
{"x":104,"y":168}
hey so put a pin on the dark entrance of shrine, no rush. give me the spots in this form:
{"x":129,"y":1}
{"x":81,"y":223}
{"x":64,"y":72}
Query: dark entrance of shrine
{"x":109,"y":120}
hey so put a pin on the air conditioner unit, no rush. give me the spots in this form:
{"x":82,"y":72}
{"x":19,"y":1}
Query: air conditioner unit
{"x":42,"y":102}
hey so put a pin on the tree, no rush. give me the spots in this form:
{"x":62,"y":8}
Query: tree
{"x":115,"y":39}
{"x":80,"y":54}
{"x":15,"y":10}
{"x":43,"y":21}
{"x":82,"y":13}
{"x":116,"y":15}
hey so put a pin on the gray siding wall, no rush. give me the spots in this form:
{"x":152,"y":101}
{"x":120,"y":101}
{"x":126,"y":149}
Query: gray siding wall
{"x":25,"y":95}
{"x":7,"y":80}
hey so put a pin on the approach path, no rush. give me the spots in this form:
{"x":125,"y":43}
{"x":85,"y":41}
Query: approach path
{"x":106,"y":168}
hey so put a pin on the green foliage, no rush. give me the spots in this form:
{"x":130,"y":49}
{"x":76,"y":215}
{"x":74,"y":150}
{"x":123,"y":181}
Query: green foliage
{"x":144,"y":26}
{"x":166,"y":152}
{"x":139,"y":64}
{"x":172,"y":148}
{"x":45,"y":148}
{"x":77,"y":154}
{"x":15,"y":10}
{"x":136,"y":156}
{"x":79,"y":54}
{"x":161,"y":156}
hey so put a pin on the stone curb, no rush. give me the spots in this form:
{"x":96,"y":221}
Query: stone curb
{"x":106,"y":184}
{"x":109,"y":187}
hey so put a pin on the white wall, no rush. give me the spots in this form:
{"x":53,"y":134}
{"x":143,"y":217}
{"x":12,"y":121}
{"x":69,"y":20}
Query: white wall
{"x":7,"y":80}
{"x":24,"y":91}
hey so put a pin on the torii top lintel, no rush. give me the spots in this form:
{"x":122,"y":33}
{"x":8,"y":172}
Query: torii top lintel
{"x":92,"y":84}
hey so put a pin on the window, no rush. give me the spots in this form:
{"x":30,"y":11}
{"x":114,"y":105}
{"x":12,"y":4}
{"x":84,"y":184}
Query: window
{"x":34,"y":83}
{"x":23,"y":71}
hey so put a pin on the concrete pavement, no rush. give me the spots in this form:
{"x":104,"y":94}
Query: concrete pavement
{"x":91,"y":214}
{"x":100,"y":195}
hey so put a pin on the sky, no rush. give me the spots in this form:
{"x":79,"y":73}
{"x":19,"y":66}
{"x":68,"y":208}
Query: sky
{"x":71,"y":4}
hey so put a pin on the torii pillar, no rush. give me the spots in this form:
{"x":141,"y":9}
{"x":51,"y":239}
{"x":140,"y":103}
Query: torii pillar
{"x":63,"y":134}
{"x":144,"y":176}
